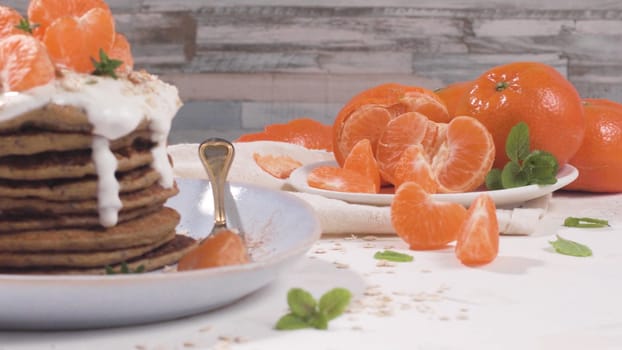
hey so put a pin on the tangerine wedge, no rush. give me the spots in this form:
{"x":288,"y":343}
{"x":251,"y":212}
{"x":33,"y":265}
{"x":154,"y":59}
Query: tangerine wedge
{"x":361,"y":159}
{"x":33,"y":68}
{"x":9,"y":20}
{"x":422,"y":222}
{"x":478,"y":237}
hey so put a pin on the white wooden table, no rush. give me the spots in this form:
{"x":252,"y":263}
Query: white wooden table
{"x":528,"y":298}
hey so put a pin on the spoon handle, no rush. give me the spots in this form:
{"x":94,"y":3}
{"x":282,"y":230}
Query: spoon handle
{"x":217,"y":155}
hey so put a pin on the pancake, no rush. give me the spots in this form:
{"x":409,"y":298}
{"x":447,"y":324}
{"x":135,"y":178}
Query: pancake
{"x":76,"y":189}
{"x":14,"y":223}
{"x":77,"y":259}
{"x":167,"y":254}
{"x":130,"y":200}
{"x":32,"y":142}
{"x":72,"y":164}
{"x":53,"y":117}
{"x":146,"y":229}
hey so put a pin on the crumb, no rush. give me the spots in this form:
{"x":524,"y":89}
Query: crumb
{"x":341,"y":265}
{"x":205,"y":329}
{"x":385,"y":263}
{"x":369,"y":238}
{"x":320,"y":251}
{"x":369,"y":245}
{"x":140,"y":347}
{"x":188,"y":344}
{"x":443,"y":318}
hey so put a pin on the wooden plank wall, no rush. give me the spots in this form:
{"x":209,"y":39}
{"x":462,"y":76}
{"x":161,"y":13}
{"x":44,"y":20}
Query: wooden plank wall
{"x":240,"y":64}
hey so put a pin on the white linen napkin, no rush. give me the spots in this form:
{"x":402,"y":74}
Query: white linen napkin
{"x":336,"y":216}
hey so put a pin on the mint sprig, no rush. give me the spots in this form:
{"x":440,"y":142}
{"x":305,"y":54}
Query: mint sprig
{"x":124,"y":269}
{"x":106,"y":66}
{"x":572,"y":248}
{"x":306,"y":312}
{"x":394,"y":256}
{"x":585,"y":222}
{"x":525,"y":167}
{"x":25,"y":25}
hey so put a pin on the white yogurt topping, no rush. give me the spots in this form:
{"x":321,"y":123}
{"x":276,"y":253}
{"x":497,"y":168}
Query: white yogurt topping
{"x":115,"y":108}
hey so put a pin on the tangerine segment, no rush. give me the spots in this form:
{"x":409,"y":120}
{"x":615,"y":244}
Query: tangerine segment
{"x":478,"y":238}
{"x":220,"y":249}
{"x":396,"y":99}
{"x":122,"y":51}
{"x":534,"y":93}
{"x":599,"y":159}
{"x":361,"y":159}
{"x":24,"y":63}
{"x":89,"y":33}
{"x":368,"y":122}
{"x":467,"y":156}
{"x":340,"y":180}
{"x":413,"y":166}
{"x":305,"y":132}
{"x":422,"y":222}
{"x":45,"y":12}
{"x":9,"y":20}
{"x":278,"y":166}
{"x":400,"y":133}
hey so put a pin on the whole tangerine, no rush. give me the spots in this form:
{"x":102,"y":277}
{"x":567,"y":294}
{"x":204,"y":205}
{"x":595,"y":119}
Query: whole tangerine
{"x":534,"y":93}
{"x":599,"y":159}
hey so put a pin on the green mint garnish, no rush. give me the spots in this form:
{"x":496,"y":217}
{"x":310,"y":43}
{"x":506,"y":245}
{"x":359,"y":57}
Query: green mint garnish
{"x":585,"y":222}
{"x":525,"y":167}
{"x":106,"y":65}
{"x":26,"y":26}
{"x":124,"y":269}
{"x":572,"y":248}
{"x":306,"y":312}
{"x":393,"y":256}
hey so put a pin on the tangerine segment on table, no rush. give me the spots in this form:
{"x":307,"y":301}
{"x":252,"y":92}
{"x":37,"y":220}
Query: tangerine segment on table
{"x":45,"y":12}
{"x":599,"y":159}
{"x":340,"y":180}
{"x":413,"y":166}
{"x":9,"y":20}
{"x":89,"y":33}
{"x":403,"y":131}
{"x":467,"y":155}
{"x":305,"y":132}
{"x":421,"y":221}
{"x":221,"y":248}
{"x":384,"y":102}
{"x":361,"y":159}
{"x":280,"y":167}
{"x":478,"y":237}
{"x":534,"y":93}
{"x":24,"y":62}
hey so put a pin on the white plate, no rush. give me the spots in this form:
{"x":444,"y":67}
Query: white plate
{"x":298,"y":180}
{"x":280,"y":227}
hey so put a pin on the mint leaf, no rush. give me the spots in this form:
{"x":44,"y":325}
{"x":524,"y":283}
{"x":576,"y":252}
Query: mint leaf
{"x":301,"y":302}
{"x":291,"y":322}
{"x":307,"y":313}
{"x":513,"y":176}
{"x":334,"y":302}
{"x":517,"y":144}
{"x":585,"y":222}
{"x":319,"y":321}
{"x":393,"y":256}
{"x":493,"y":179}
{"x":572,"y":248}
{"x":541,"y":168}
{"x":124,"y":269}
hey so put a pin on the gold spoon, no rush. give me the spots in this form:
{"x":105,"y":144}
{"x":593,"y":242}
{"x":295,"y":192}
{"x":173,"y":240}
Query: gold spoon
{"x":222,"y":246}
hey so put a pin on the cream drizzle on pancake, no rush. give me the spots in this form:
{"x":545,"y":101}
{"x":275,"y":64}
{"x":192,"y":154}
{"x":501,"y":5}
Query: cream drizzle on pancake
{"x":115,"y":107}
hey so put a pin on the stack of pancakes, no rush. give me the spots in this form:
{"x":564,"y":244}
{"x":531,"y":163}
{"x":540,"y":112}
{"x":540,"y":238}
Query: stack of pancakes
{"x":49,"y":216}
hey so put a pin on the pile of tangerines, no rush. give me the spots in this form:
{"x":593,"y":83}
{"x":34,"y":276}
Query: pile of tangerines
{"x":57,"y":35}
{"x":421,"y":142}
